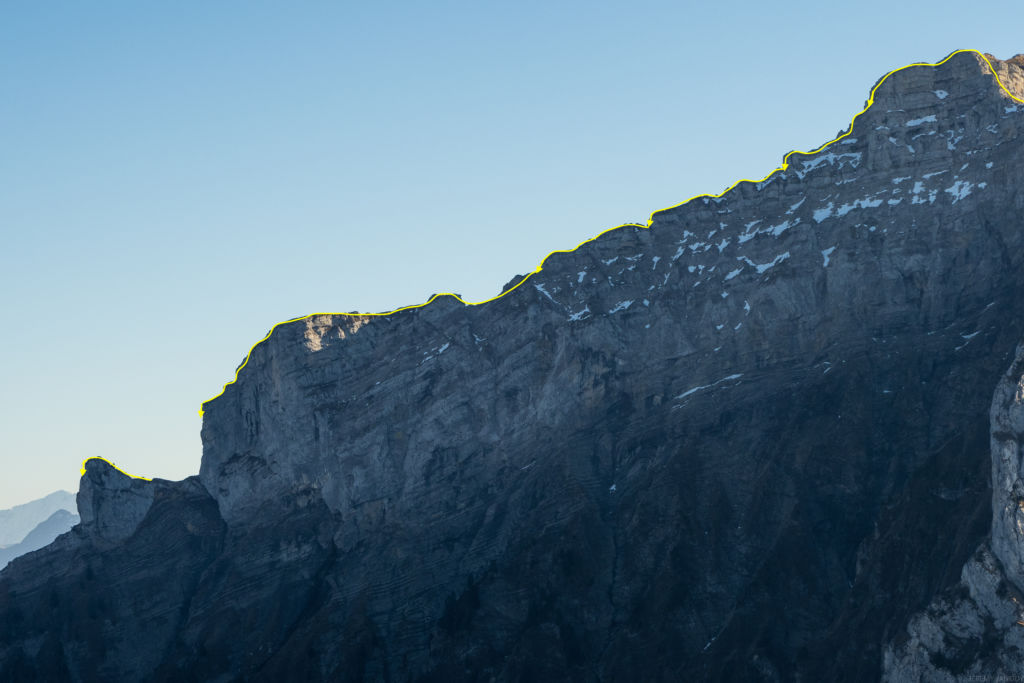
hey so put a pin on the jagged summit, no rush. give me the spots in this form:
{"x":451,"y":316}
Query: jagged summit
{"x":732,"y":445}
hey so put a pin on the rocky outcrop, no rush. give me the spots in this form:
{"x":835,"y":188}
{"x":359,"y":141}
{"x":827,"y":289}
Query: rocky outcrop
{"x":89,"y":607}
{"x":748,"y":442}
{"x":975,"y":630}
{"x":1008,"y":488}
{"x":111,"y":504}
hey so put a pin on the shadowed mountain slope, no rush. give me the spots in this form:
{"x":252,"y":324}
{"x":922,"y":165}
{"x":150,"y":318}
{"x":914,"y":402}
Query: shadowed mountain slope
{"x":749,"y":442}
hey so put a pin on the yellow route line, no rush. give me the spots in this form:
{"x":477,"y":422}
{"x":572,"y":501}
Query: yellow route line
{"x":114,"y":466}
{"x":783,"y":167}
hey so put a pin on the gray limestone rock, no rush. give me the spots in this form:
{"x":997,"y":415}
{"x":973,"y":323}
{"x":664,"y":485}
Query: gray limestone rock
{"x":110,"y":503}
{"x":975,"y":630}
{"x":748,"y":442}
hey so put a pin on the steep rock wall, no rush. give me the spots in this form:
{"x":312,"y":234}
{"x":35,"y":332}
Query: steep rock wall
{"x":729,"y":446}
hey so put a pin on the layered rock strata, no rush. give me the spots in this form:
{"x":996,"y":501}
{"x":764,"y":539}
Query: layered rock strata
{"x":749,"y":442}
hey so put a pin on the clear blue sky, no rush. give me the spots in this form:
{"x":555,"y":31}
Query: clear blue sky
{"x":178,"y":177}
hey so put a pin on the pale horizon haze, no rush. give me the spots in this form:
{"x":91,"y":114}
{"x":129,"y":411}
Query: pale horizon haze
{"x":177,"y":178}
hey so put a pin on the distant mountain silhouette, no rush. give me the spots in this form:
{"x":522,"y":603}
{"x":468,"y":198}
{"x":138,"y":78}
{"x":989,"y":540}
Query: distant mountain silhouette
{"x":52,"y":527}
{"x":19,"y":520}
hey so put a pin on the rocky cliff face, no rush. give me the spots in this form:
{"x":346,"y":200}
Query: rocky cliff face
{"x":975,"y":630}
{"x":750,"y":441}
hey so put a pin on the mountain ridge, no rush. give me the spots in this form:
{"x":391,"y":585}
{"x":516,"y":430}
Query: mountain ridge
{"x":730,"y":446}
{"x":519,"y":280}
